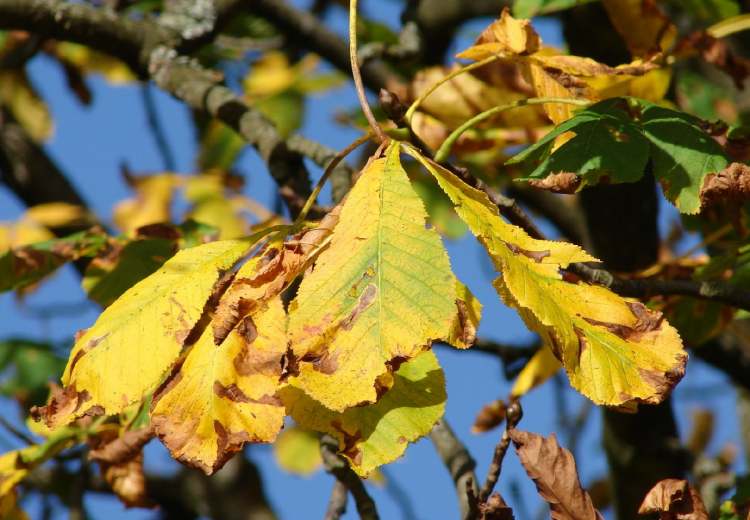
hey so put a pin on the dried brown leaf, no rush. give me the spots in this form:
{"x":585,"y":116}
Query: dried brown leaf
{"x":554,"y":472}
{"x":674,"y":499}
{"x":731,"y":185}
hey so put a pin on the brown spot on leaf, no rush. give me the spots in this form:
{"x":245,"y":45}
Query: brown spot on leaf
{"x":563,"y":182}
{"x":247,"y":329}
{"x":249,"y":361}
{"x":664,"y":382}
{"x":231,"y":392}
{"x":227,"y":444}
{"x":365,"y":300}
{"x":63,"y":403}
{"x":122,"y":448}
{"x":349,"y":441}
{"x":467,"y":330}
{"x":325,"y":363}
{"x":165,"y":231}
{"x":536,"y":256}
{"x":647,"y":321}
{"x":582,"y":342}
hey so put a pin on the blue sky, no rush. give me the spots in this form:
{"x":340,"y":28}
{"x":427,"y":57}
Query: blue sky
{"x":90,"y":143}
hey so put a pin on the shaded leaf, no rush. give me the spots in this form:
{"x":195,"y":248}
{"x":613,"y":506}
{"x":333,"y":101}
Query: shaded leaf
{"x":376,"y":434}
{"x":615,"y":351}
{"x":380,"y":293}
{"x":108,"y":277}
{"x":529,"y":8}
{"x":20,"y":97}
{"x":554,"y":472}
{"x":151,"y":204}
{"x":644,"y":27}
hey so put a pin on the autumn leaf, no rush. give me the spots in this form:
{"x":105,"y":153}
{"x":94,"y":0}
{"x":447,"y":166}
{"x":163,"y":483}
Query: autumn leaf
{"x":297,"y":451}
{"x":24,"y":265}
{"x":674,"y":499}
{"x":378,"y":295}
{"x":224,"y":395}
{"x":151,"y":204}
{"x":376,"y":434}
{"x":615,"y":351}
{"x":133,"y":343}
{"x":644,"y":27}
{"x":554,"y":472}
{"x":22,"y":100}
{"x":538,"y":370}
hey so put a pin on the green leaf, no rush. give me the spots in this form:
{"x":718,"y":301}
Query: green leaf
{"x":682,"y":154}
{"x":606,"y":143}
{"x":285,"y":110}
{"x":26,"y":367}
{"x":373,"y":435}
{"x":708,"y":11}
{"x":108,"y":277}
{"x":23,"y":266}
{"x":617,"y":137}
{"x":529,"y":8}
{"x":220,"y":147}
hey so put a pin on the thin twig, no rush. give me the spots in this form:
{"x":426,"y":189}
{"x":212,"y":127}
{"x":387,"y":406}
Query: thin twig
{"x":460,"y":465}
{"x":336,"y":465}
{"x":156,"y":128}
{"x":337,"y":502}
{"x":20,"y":435}
{"x":513,"y":416}
{"x":357,"y":73}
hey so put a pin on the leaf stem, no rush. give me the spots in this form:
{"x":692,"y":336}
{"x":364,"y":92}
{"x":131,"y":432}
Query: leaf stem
{"x":326,"y":175}
{"x":730,"y":26}
{"x":357,"y":73}
{"x":445,"y":148}
{"x":421,"y":99}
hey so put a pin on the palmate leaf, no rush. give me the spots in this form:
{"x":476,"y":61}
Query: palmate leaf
{"x":223,"y":396}
{"x":615,"y":351}
{"x":616,"y":138}
{"x":133,"y":343}
{"x":380,"y":293}
{"x":376,"y":434}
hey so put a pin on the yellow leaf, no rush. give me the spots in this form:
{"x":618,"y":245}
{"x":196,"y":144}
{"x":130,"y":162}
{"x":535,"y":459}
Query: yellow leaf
{"x":615,"y":351}
{"x":126,"y":353}
{"x":151,"y":205}
{"x":506,"y":36}
{"x":22,"y":233}
{"x":270,"y":75}
{"x":12,"y":471}
{"x":380,"y":293}
{"x":17,"y":93}
{"x":376,"y":434}
{"x":224,"y":395}
{"x":539,"y":369}
{"x":9,"y":509}
{"x":58,"y":214}
{"x":214,"y":206}
{"x":91,"y":61}
{"x":643,"y":25}
{"x":297,"y":451}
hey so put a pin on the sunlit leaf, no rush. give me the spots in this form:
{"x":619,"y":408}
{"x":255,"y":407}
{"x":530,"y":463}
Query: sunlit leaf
{"x":223,"y":395}
{"x":615,"y":351}
{"x":380,"y":293}
{"x":297,"y":451}
{"x":133,"y":343}
{"x":538,"y":370}
{"x":376,"y":434}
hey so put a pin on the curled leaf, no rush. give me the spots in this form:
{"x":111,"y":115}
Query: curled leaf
{"x":674,"y":499}
{"x":554,"y":472}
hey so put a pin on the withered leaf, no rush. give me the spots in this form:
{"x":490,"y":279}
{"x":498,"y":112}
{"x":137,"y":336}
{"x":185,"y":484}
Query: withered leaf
{"x":554,"y":472}
{"x":674,"y":499}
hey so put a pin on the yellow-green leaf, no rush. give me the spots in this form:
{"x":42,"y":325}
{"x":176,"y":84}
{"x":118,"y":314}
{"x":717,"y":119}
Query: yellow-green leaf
{"x":132,"y":345}
{"x":224,"y":395}
{"x":376,"y":434}
{"x":380,"y":293}
{"x":297,"y":451}
{"x":615,"y":351}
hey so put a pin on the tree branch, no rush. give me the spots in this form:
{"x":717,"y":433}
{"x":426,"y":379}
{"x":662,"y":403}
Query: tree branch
{"x":339,"y":468}
{"x":460,"y":465}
